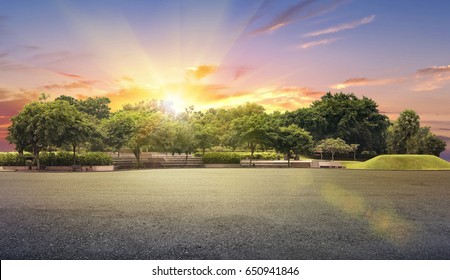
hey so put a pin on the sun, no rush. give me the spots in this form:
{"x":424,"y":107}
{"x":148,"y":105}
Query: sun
{"x":176,"y":101}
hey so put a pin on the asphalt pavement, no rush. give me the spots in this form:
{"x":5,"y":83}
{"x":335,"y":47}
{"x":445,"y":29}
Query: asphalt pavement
{"x":225,"y":214}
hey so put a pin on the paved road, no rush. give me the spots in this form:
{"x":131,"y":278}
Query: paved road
{"x":225,"y":214}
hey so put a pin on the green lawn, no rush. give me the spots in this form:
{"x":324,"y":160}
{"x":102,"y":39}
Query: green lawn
{"x":401,"y":162}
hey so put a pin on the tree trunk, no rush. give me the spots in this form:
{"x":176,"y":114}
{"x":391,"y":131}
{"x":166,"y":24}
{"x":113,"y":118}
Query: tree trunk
{"x":332,"y":156}
{"x":289,"y":159}
{"x":185,"y":161}
{"x":354,"y":155}
{"x":118,"y":153}
{"x":137,"y":154}
{"x":36,"y":157}
{"x":252,"y":150}
{"x":74,"y":154}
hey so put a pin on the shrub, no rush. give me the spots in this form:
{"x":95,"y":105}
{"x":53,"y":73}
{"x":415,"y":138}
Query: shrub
{"x":218,"y":157}
{"x":56,"y":159}
{"x":11,"y":159}
{"x":94,"y":158}
{"x":235,"y":157}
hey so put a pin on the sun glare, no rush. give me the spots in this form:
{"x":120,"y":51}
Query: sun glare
{"x":177,"y":103}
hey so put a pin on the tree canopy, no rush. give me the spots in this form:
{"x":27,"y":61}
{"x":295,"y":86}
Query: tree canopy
{"x":345,"y":116}
{"x":406,"y":136}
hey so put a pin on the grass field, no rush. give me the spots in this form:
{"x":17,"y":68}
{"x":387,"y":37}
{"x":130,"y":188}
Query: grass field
{"x":401,"y":162}
{"x":225,"y":214}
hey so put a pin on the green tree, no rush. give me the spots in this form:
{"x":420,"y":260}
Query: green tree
{"x":292,"y":139}
{"x":145,"y":125}
{"x":17,"y":133}
{"x":185,"y":141}
{"x":354,"y":149}
{"x":253,"y":130}
{"x":355,"y":120}
{"x":118,"y":130}
{"x":66,"y":125}
{"x":27,"y":129}
{"x":333,"y":146}
{"x":401,"y":134}
{"x":97,"y":107}
{"x":425,"y":142}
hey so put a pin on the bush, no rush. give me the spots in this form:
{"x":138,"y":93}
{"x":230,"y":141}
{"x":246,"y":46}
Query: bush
{"x":218,"y":157}
{"x":94,"y":158}
{"x":235,"y":157}
{"x":56,"y":159}
{"x":11,"y":159}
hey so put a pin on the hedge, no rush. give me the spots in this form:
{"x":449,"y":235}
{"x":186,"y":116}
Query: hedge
{"x":58,"y":159}
{"x":235,"y":157}
{"x":11,"y":159}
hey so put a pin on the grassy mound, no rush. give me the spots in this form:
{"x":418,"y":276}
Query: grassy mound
{"x":402,"y":162}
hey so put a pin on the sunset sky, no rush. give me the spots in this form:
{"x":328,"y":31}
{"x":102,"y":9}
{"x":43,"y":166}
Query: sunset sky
{"x":282,"y":54}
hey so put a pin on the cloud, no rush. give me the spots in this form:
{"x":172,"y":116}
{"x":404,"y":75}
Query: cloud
{"x":285,"y":17}
{"x":341,"y":27}
{"x":3,"y":92}
{"x":432,"y":78}
{"x":302,"y":10}
{"x":240,"y":72}
{"x":128,"y":79}
{"x":10,"y":108}
{"x":317,"y":43}
{"x":274,"y":99}
{"x":66,"y":86}
{"x":434,"y":70}
{"x":365,"y":82}
{"x":201,"y":71}
{"x":70,"y":75}
{"x":287,"y":98}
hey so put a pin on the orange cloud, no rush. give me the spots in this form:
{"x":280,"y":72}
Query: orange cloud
{"x":364,"y":82}
{"x":201,"y":71}
{"x":432,"y":78}
{"x":283,"y":98}
{"x":67,"y":86}
{"x":130,"y":96}
{"x":434,"y":70}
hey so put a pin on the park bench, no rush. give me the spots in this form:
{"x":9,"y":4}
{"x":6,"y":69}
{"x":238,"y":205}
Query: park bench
{"x":76,"y":168}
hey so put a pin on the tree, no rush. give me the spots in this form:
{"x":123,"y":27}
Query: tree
{"x":425,"y":142}
{"x":27,"y":129}
{"x":17,"y":133}
{"x":292,"y":139}
{"x":401,"y":134}
{"x":252,"y":130}
{"x":145,"y":124}
{"x":340,"y":115}
{"x":118,"y":130}
{"x":205,"y":134}
{"x":184,"y":139}
{"x":66,"y":125}
{"x":354,"y":149}
{"x":333,"y":146}
{"x":97,"y":107}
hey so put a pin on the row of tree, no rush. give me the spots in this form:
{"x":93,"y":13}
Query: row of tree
{"x":326,"y":126}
